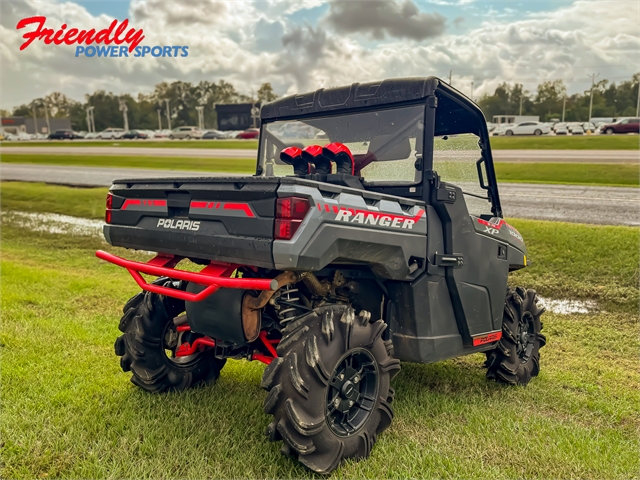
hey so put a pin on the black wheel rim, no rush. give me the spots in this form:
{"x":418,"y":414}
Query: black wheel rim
{"x":525,"y":337}
{"x":352,"y":392}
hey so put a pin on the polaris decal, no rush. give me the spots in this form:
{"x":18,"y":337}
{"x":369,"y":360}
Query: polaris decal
{"x":179,"y":224}
{"x":368,"y":217}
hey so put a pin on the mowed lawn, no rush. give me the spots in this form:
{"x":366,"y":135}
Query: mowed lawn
{"x":627,"y":175}
{"x":69,"y":411}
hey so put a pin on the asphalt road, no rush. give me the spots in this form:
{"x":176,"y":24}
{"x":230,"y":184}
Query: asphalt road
{"x":597,"y":205}
{"x":558,"y":156}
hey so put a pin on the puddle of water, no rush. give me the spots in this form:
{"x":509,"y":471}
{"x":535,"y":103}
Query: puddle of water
{"x":566,"y":307}
{"x":54,"y":223}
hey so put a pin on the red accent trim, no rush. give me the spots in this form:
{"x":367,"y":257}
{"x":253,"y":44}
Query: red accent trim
{"x":198,"y":345}
{"x":183,"y":328}
{"x":487,"y":338}
{"x":146,"y":202}
{"x":130,"y":201}
{"x":497,"y":226}
{"x":240,"y":206}
{"x":213,"y":276}
{"x":245,"y":207}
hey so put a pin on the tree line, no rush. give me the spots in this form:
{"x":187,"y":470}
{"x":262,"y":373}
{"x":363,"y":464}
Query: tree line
{"x":142,"y":111}
{"x":609,"y":100}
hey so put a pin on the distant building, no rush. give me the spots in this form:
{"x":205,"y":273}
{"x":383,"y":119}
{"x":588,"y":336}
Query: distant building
{"x":28,"y":125}
{"x":238,"y":116}
{"x":500,"y":119}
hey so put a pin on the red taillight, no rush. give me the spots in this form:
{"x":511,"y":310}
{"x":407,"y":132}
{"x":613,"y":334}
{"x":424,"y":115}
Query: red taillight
{"x":290,"y":211}
{"x":107,"y":213}
{"x":292,"y":207}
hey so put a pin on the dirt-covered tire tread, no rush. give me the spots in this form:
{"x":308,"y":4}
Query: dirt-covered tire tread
{"x":503,"y":364}
{"x":141,"y":346}
{"x":297,"y":384}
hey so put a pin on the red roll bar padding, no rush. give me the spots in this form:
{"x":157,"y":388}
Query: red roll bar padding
{"x":213,"y":276}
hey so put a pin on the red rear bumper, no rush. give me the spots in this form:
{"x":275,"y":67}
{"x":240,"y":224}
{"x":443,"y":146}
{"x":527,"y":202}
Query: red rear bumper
{"x":213,"y":276}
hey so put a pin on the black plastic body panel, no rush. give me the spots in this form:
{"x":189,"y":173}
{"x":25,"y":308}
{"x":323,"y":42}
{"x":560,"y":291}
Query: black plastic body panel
{"x":227,"y":219}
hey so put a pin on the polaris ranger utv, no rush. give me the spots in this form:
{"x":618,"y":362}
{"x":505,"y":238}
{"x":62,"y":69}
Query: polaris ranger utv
{"x":371,"y":234}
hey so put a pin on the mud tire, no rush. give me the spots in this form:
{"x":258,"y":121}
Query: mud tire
{"x":311,"y":355}
{"x":141,"y":348}
{"x":509,"y":363}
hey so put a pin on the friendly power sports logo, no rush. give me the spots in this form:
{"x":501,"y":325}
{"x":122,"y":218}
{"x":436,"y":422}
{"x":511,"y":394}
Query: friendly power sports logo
{"x":116,"y":40}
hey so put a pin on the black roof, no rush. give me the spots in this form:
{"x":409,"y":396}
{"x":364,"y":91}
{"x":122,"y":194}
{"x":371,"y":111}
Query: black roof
{"x":456,"y":113}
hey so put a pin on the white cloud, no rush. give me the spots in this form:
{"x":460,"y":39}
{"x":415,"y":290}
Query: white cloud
{"x":249,"y":43}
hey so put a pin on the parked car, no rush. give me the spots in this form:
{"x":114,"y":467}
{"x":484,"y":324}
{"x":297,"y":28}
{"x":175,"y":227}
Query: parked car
{"x":500,"y":129}
{"x":164,"y":133}
{"x":575,"y":128}
{"x":214,"y":135}
{"x":624,"y":125}
{"x":560,"y":129}
{"x":91,"y":136}
{"x":491,"y":126}
{"x":111,"y":133}
{"x":185,"y":133}
{"x":17,"y":137}
{"x":64,"y":134}
{"x":249,"y":133}
{"x":589,"y":127}
{"x":528,"y":128}
{"x":134,"y":134}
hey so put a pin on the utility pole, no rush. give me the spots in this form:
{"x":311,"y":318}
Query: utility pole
{"x":46,"y":116}
{"x":200,"y":110}
{"x":168,"y":113}
{"x":124,"y":110}
{"x":593,"y":81}
{"x":521,"y":97}
{"x":564,"y":103}
{"x":35,"y":119}
{"x":92,"y":117}
{"x":450,"y":71}
{"x":638,"y":105}
{"x":159,"y":119}
{"x":471,"y":89}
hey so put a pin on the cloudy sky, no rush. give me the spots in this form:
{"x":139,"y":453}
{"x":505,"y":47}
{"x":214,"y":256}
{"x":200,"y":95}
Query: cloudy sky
{"x":307,"y":44}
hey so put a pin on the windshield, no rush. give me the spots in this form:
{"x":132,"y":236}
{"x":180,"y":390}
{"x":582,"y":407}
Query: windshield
{"x":385,"y":143}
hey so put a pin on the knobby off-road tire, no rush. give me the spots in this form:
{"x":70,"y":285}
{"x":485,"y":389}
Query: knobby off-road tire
{"x":516,"y":358}
{"x":307,"y":395}
{"x":146,"y":325}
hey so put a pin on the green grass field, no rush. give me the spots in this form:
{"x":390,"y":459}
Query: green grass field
{"x":578,"y":142}
{"x":69,"y":411}
{"x":563,"y":173}
{"x":231,"y":165}
{"x":623,"y":175}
